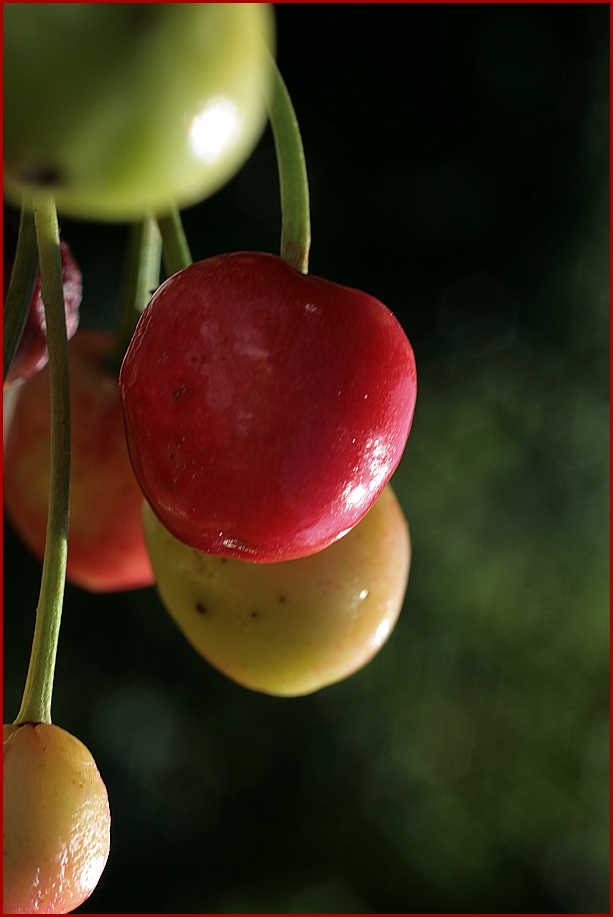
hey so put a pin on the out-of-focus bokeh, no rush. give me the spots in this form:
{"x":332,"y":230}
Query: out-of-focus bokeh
{"x":458,"y":157}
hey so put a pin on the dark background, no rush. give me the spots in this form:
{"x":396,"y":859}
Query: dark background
{"x":458,"y":157}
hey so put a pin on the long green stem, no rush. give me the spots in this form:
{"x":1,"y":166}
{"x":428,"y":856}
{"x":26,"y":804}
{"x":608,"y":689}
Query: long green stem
{"x":21,"y":287}
{"x":174,"y":244}
{"x":36,"y":703}
{"x":293,"y":180}
{"x":140,"y":278}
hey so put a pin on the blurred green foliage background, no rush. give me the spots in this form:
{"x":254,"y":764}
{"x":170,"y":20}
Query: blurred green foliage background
{"x":458,"y":157}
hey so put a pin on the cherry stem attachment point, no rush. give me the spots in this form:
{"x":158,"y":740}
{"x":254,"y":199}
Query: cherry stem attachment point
{"x":36,"y":702}
{"x":21,"y":287}
{"x":293,"y":179}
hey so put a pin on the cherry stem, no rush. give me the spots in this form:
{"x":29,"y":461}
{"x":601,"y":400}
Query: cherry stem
{"x":140,"y":278}
{"x":174,"y":243}
{"x":36,"y":702}
{"x":293,"y":179}
{"x":21,"y":287}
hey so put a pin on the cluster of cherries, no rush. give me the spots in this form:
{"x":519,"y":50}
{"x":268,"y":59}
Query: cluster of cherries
{"x":259,"y":411}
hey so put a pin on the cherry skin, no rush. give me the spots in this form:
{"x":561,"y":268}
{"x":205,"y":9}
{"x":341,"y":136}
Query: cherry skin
{"x":106,"y":548}
{"x":120,"y":109}
{"x":56,"y":821}
{"x":31,"y":354}
{"x":289,"y":628}
{"x":265,"y":409}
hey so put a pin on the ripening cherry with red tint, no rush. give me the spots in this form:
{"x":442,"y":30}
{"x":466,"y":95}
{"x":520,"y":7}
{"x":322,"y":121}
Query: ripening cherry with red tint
{"x":31,"y":354}
{"x":106,"y":547}
{"x":56,"y":820}
{"x":265,"y":409}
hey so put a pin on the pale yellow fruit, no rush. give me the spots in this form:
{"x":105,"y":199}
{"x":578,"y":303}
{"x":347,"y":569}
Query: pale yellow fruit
{"x":56,"y":821}
{"x":289,"y":628}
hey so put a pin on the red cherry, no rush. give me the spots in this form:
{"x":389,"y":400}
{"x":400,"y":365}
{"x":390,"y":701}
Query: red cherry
{"x":31,"y":354}
{"x":106,"y":547}
{"x":265,"y":409}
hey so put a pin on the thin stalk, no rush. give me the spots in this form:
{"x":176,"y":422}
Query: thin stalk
{"x":174,"y":244}
{"x":293,"y":179}
{"x":140,"y":278}
{"x":36,"y":703}
{"x":21,"y":287}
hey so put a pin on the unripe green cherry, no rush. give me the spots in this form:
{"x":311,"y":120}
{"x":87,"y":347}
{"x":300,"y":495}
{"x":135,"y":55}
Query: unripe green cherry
{"x":56,"y":821}
{"x":122,"y":109}
{"x":293,"y":627}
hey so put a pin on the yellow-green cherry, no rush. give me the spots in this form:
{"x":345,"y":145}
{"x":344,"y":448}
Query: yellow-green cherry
{"x":56,"y":821}
{"x":121,"y":109}
{"x":289,"y":628}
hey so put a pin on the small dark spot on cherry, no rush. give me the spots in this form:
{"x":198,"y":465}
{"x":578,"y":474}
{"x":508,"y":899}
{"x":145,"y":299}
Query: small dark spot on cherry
{"x":200,"y":562}
{"x":254,"y":614}
{"x":193,"y":360}
{"x":171,"y":456}
{"x":200,"y":608}
{"x":40,"y":175}
{"x":177,"y":392}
